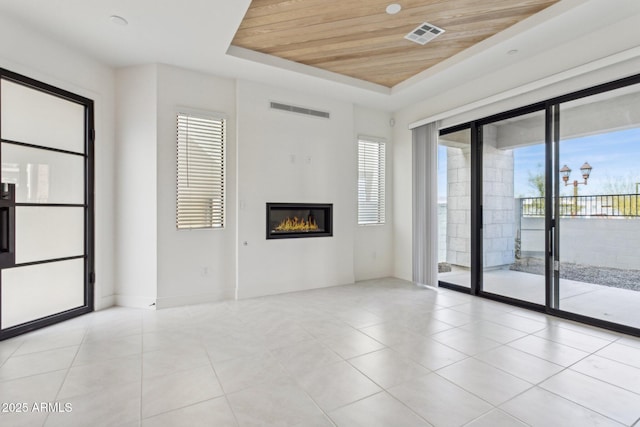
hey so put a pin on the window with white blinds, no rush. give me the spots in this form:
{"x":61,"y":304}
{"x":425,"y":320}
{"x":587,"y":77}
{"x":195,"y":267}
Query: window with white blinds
{"x":371,"y":172}
{"x":200,"y":171}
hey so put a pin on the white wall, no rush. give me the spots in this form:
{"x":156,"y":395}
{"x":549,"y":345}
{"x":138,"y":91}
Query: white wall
{"x":373,"y":248}
{"x":193,"y":265}
{"x":287,"y":157}
{"x":157,"y":264}
{"x":36,"y":56}
{"x":271,"y":156}
{"x":136,"y":183}
{"x":402,"y":198}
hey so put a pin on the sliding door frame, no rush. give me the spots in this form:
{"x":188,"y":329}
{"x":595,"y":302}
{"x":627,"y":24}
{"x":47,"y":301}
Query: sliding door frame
{"x":551,"y":109}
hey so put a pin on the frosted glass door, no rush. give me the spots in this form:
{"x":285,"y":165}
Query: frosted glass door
{"x":45,"y":208}
{"x":36,"y":117}
{"x":46,"y":233}
{"x":36,"y":291}
{"x":43,"y":176}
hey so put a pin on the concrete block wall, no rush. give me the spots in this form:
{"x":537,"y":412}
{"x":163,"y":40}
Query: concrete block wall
{"x":601,"y":242}
{"x":458,"y":239}
{"x":498,"y":209}
{"x":442,"y":232}
{"x":499,"y":228}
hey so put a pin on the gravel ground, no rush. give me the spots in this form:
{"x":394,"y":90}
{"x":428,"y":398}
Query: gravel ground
{"x":614,"y":277}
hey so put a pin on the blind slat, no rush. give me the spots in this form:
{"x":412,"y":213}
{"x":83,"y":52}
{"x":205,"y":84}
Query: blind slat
{"x":371,"y":182}
{"x":200,"y":182}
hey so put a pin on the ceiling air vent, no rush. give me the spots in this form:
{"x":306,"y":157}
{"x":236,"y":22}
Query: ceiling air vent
{"x":424,"y":33}
{"x":300,"y":110}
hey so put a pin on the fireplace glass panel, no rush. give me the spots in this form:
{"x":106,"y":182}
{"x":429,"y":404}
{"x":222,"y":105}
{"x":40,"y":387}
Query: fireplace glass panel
{"x":287,"y":220}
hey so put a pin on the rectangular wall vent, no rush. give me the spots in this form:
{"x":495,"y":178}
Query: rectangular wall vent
{"x":300,"y":110}
{"x":424,"y":33}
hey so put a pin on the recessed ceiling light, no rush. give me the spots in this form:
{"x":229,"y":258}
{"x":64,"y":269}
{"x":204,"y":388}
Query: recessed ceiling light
{"x":393,"y":8}
{"x":116,"y":19}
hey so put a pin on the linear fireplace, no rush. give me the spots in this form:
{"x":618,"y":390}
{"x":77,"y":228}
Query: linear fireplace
{"x":290,"y":220}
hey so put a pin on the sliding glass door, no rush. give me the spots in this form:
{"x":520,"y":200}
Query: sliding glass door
{"x":549,"y":194}
{"x":513,"y":207}
{"x":598,"y":207}
{"x":454,"y":208}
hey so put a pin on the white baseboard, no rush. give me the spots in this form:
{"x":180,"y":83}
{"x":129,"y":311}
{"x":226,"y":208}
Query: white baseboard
{"x":148,"y":303}
{"x":105,"y":302}
{"x":181,"y":300}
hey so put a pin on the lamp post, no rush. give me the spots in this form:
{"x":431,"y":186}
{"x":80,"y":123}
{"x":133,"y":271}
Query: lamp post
{"x":565,"y":172}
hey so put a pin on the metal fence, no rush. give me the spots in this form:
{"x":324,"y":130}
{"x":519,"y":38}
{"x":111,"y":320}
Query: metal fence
{"x":614,"y":205}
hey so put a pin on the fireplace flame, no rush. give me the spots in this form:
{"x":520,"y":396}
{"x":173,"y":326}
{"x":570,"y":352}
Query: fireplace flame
{"x":297,"y":224}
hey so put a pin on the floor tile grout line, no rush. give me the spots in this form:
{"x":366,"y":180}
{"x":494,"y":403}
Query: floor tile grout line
{"x":599,"y":379}
{"x":571,"y":346}
{"x":360,"y":399}
{"x":501,"y":406}
{"x":531,"y":386}
{"x":43,"y":332}
{"x":225,"y":394}
{"x":512,"y":374}
{"x":444,"y":344}
{"x":326,"y":413}
{"x":180,"y":408}
{"x":497,"y":368}
{"x":581,"y":405}
{"x":64,"y":380}
{"x":297,"y":382}
{"x":615,"y":360}
{"x":408,"y":407}
{"x":498,"y":344}
{"x":342,"y":360}
{"x":497,"y":408}
{"x":75,"y":396}
{"x":141,"y":369}
{"x":556,"y":343}
{"x":386,"y":392}
{"x":628,"y":337}
{"x":22,"y":341}
{"x":586,"y":329}
{"x":516,"y":329}
{"x":375,"y":382}
{"x":464,"y":389}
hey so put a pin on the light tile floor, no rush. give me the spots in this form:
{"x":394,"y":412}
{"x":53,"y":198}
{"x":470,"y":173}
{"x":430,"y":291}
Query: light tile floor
{"x":377,"y":353}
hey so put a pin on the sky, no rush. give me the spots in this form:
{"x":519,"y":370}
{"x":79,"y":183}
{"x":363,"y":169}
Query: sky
{"x":614,"y":156}
{"x":442,"y":174}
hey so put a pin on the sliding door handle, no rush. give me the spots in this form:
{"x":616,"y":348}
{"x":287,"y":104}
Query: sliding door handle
{"x":7,"y":225}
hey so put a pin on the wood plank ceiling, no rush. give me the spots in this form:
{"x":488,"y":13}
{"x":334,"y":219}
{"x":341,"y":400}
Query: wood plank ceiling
{"x":358,"y":38}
